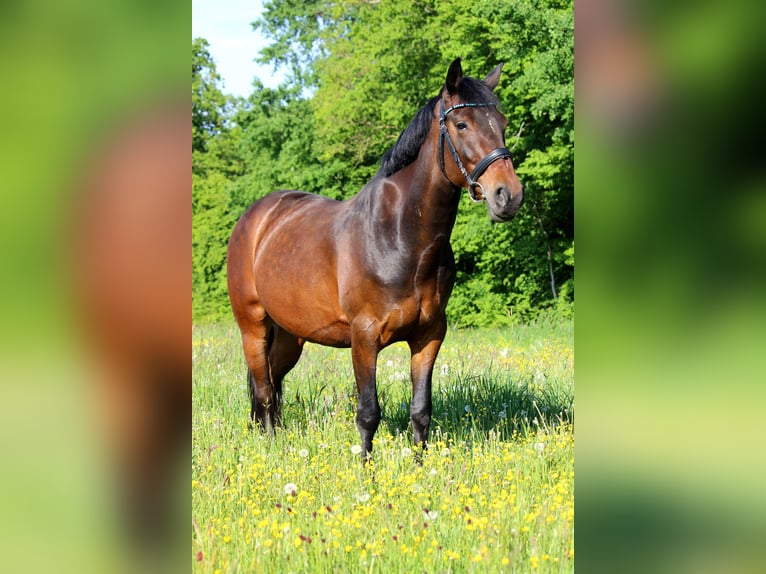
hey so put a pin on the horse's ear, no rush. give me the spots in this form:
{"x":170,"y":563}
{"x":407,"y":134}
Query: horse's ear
{"x":454,"y":77}
{"x":494,"y":77}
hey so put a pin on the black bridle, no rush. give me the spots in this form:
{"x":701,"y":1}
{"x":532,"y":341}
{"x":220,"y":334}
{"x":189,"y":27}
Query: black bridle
{"x":481,"y":167}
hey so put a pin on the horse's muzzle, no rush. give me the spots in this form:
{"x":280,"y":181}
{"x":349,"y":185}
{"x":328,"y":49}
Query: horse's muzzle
{"x":504,"y":201}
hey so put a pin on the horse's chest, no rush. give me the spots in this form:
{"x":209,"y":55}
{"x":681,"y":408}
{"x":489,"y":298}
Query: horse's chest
{"x":432,"y":282}
{"x":398,"y":292}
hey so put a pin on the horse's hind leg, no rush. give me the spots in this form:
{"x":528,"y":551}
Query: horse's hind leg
{"x":284,"y":351}
{"x":255,"y":344}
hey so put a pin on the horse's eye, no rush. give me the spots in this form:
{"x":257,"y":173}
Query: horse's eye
{"x":461,"y":125}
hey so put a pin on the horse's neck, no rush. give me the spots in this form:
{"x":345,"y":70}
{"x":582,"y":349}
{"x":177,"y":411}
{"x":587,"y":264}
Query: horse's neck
{"x":433,"y":199}
{"x":416,"y":200}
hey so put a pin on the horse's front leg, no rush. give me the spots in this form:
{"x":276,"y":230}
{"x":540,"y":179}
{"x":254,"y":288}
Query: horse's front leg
{"x":364,"y":354}
{"x":424,"y":347}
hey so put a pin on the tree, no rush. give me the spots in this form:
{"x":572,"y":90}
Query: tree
{"x":360,"y":70}
{"x":207,"y":99}
{"x":216,"y":163}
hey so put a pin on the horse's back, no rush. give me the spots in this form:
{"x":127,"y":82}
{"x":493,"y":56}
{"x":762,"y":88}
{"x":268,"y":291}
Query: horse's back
{"x":268,"y":211}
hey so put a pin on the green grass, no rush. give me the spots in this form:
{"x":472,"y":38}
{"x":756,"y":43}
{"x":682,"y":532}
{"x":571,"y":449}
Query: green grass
{"x":494,"y":491}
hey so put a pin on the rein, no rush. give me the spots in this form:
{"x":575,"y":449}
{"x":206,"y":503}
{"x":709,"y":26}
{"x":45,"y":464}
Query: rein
{"x":481,"y":167}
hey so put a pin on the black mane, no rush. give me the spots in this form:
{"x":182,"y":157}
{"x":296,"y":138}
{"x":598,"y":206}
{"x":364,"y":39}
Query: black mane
{"x":407,"y":147}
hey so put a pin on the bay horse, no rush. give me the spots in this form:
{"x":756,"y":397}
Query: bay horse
{"x":377,"y":268}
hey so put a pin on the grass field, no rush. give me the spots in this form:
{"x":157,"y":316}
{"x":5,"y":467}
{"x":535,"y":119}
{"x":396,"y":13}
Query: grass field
{"x":494,"y":491}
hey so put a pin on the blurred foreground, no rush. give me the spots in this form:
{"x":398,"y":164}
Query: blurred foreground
{"x":95,"y":297}
{"x":671,"y":313}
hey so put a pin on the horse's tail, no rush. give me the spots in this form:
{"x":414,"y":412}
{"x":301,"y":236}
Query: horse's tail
{"x":251,"y":391}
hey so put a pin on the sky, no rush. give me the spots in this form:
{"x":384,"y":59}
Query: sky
{"x":226,"y":25}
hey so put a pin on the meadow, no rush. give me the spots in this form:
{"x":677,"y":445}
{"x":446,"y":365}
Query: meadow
{"x":494,"y":491}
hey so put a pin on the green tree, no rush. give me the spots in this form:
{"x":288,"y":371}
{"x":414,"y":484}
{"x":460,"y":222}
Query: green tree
{"x":216,"y":164}
{"x":523,"y":262}
{"x":359,"y":72}
{"x":207,"y":99}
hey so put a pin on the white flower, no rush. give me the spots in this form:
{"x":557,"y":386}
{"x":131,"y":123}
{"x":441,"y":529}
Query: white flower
{"x":364,"y":497}
{"x":303,"y":453}
{"x":502,"y":414}
{"x":445,"y":369}
{"x":504,"y":353}
{"x":467,"y":408}
{"x":445,"y":452}
{"x":356,"y":449}
{"x":539,"y":447}
{"x":431,"y":515}
{"x":406,"y":451}
{"x":291,"y":488}
{"x":433,"y":472}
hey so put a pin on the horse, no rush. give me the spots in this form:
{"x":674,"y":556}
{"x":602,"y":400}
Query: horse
{"x":377,"y":268}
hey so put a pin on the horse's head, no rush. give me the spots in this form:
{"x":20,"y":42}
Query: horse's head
{"x":472,"y":131}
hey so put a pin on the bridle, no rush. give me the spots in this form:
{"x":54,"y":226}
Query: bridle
{"x":481,"y":167}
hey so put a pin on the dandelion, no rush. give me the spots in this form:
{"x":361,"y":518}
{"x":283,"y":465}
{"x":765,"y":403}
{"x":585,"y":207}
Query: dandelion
{"x":445,"y":451}
{"x":291,"y":489}
{"x":356,"y":449}
{"x":303,"y":453}
{"x":406,"y":451}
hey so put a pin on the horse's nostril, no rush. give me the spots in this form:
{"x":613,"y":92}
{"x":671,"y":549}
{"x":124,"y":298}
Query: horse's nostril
{"x":500,"y":196}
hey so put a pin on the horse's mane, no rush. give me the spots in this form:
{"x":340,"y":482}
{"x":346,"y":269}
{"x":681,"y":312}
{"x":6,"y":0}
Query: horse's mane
{"x":407,"y":147}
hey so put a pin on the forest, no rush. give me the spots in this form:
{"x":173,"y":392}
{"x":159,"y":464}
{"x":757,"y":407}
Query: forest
{"x":357,"y":73}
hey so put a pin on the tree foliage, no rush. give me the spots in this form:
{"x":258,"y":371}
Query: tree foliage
{"x":207,"y":99}
{"x":360,"y":70}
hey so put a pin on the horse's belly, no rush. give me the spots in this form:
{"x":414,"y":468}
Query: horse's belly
{"x":305,"y":304}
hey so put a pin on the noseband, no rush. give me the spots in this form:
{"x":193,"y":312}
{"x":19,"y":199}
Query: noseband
{"x":481,"y":167}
